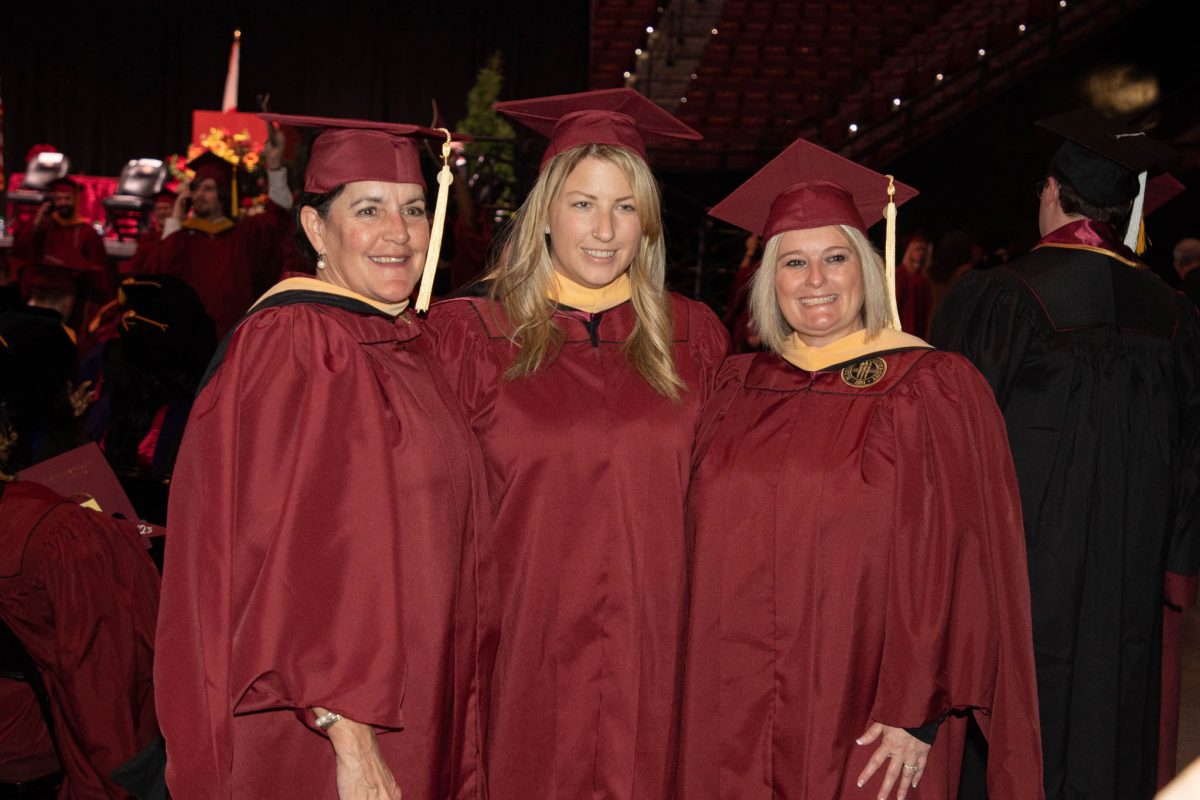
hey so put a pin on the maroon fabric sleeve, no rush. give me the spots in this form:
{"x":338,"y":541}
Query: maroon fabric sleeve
{"x":958,"y":569}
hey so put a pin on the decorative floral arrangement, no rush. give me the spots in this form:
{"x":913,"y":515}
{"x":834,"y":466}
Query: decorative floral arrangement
{"x":236,"y":148}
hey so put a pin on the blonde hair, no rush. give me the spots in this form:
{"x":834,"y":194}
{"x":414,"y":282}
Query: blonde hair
{"x":767,"y":319}
{"x":523,"y":275}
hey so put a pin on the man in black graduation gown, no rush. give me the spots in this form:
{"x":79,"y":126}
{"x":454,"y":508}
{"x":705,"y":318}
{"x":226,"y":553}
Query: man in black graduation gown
{"x":1096,"y":365}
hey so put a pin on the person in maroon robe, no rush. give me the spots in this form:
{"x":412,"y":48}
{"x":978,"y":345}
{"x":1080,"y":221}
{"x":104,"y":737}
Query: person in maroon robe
{"x":59,"y":234}
{"x":79,"y":591}
{"x":583,"y":379}
{"x":327,"y":579}
{"x":858,"y":581}
{"x":144,"y":257}
{"x":215,"y":255}
{"x":914,"y":296}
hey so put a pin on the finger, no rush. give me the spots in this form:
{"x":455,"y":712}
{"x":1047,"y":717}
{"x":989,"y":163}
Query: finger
{"x":920,"y":771}
{"x":889,"y":777}
{"x":876,"y":760}
{"x":871,"y":734}
{"x":905,"y":781}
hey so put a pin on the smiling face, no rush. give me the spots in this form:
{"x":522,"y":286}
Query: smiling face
{"x":374,"y":238}
{"x":819,"y":285}
{"x":595,"y":230}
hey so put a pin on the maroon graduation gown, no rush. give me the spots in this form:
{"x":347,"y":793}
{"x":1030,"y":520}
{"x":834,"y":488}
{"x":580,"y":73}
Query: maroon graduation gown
{"x":588,"y":467}
{"x":858,"y":558}
{"x":332,"y":555}
{"x":222,"y":267}
{"x":79,"y":591}
{"x":73,"y":244}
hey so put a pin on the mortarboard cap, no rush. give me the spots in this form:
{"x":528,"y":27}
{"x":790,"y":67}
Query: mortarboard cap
{"x":210,"y":165}
{"x":1160,"y":190}
{"x":807,"y":186}
{"x":620,"y":117}
{"x":349,"y":150}
{"x":63,"y":183}
{"x":1102,"y":158}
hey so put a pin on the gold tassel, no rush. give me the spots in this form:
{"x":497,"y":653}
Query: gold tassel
{"x":445,"y":178}
{"x":889,"y":254}
{"x":1143,"y":240}
{"x":233,"y":212}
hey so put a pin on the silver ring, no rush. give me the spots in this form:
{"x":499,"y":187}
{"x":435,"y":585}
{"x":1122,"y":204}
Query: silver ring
{"x":912,"y":768}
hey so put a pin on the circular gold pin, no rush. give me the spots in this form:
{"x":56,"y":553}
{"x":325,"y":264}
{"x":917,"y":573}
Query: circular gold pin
{"x":867,"y":372}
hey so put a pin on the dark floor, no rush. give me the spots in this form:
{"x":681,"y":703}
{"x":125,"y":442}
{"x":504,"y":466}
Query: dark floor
{"x":1189,"y":702}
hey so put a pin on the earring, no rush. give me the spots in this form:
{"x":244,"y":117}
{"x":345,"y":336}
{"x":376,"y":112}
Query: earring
{"x":322,"y":261}
{"x":547,"y":231}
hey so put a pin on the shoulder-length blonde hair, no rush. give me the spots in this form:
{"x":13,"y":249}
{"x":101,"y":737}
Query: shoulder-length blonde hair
{"x":767,"y":319}
{"x":523,"y":275}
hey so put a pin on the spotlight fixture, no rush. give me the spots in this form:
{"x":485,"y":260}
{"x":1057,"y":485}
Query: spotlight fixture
{"x":853,"y":127}
{"x":683,"y":99}
{"x":714,"y":31}
{"x":628,"y":74}
{"x":982,"y":52}
{"x":694,"y":76}
{"x":637,"y":52}
{"x":1021,"y":27}
{"x":649,"y":29}
{"x":939,"y":77}
{"x":896,"y":102}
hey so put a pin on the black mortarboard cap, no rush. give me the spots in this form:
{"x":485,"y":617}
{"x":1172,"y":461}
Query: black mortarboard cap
{"x":1102,"y":158}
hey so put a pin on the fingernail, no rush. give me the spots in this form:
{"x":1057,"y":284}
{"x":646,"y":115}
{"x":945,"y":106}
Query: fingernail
{"x":860,"y":783}
{"x":858,"y":741}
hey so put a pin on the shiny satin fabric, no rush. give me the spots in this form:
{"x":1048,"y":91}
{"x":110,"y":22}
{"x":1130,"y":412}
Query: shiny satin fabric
{"x":587,"y":468}
{"x":80,"y":592}
{"x":857,"y":558}
{"x":1096,"y":366}
{"x":327,"y":547}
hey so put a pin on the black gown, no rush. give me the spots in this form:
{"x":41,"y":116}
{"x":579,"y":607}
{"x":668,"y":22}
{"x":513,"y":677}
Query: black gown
{"x":1096,"y":366}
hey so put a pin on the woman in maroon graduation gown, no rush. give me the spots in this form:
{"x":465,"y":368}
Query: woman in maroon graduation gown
{"x":859,"y":570}
{"x":326,"y":571}
{"x":583,"y":378}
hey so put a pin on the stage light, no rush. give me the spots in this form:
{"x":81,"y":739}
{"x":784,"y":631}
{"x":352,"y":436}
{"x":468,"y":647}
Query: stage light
{"x":628,"y":74}
{"x":637,"y":52}
{"x":982,"y":52}
{"x":649,"y":29}
{"x":714,"y":31}
{"x":1062,"y":3}
{"x":683,"y":99}
{"x":939,"y":77}
{"x":896,"y":102}
{"x":853,"y":128}
{"x":1021,"y":27}
{"x":694,"y":76}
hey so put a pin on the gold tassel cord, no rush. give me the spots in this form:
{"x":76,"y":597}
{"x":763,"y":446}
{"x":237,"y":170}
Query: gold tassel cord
{"x":1143,"y":241}
{"x":889,"y":254}
{"x":445,"y":178}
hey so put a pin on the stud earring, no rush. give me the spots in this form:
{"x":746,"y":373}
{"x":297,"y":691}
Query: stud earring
{"x":322,"y":261}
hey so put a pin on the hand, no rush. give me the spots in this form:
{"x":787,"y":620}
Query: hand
{"x":362,"y":773}
{"x":182,"y":201}
{"x":80,"y":396}
{"x":907,"y":753}
{"x":43,"y":213}
{"x":272,"y":150}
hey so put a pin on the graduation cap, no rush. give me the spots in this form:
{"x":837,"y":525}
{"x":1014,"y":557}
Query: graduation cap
{"x":620,"y":117}
{"x":807,"y":186}
{"x":63,"y":184}
{"x":348,"y":150}
{"x":1160,"y":190}
{"x":1106,"y":162}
